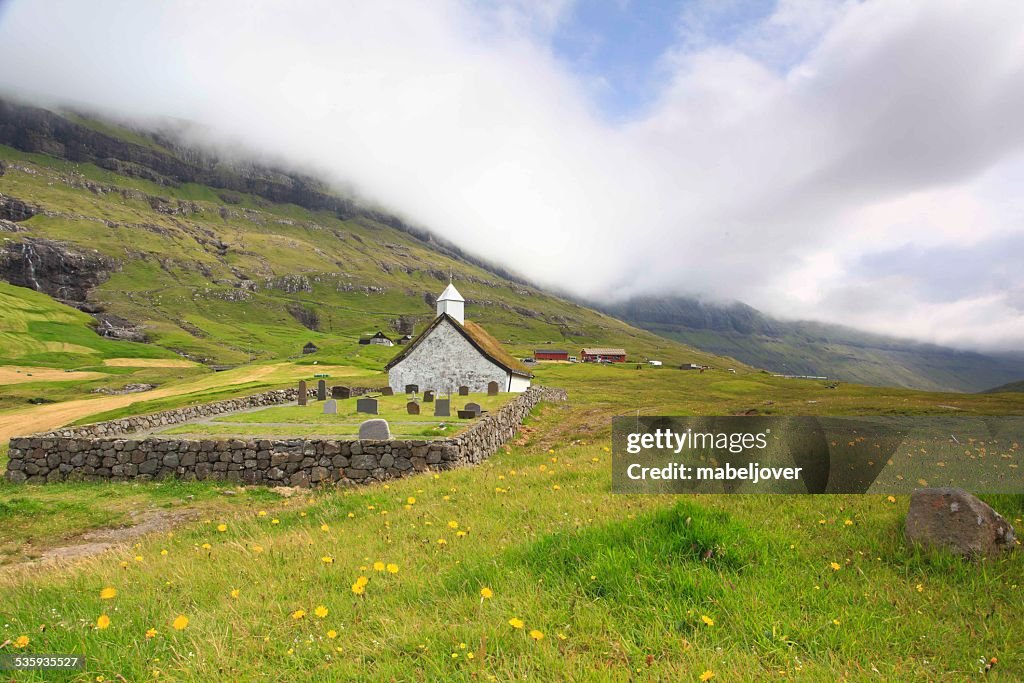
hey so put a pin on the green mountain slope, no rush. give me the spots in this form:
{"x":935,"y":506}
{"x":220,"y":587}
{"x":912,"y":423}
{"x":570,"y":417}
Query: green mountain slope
{"x":1004,"y":388}
{"x":124,"y":225}
{"x":810,"y":348}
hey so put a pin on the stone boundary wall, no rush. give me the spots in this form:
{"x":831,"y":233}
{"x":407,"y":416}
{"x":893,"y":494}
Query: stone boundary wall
{"x":95,"y":452}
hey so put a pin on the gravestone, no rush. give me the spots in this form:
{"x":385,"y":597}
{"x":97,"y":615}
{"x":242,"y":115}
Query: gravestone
{"x":442,"y":408}
{"x":387,"y":391}
{"x":473,"y":407}
{"x":412,"y":408}
{"x":341,"y":392}
{"x":463,"y":390}
{"x":412,"y":389}
{"x":492,"y":388}
{"x":331,"y":407}
{"x":303,"y":392}
{"x":321,"y":390}
{"x":376,"y":430}
{"x":467,"y":415}
{"x":366,"y":405}
{"x":428,"y":396}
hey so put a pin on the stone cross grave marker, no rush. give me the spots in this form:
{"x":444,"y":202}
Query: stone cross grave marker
{"x":428,"y":396}
{"x":366,"y":405}
{"x":412,"y":408}
{"x":492,"y":388}
{"x":463,"y":390}
{"x":442,"y":408}
{"x":303,"y":392}
{"x":321,"y":390}
{"x":331,"y":407}
{"x":376,"y":430}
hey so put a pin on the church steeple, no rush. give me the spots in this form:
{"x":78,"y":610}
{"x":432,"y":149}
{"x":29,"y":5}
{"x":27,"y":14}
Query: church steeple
{"x":452,"y":303}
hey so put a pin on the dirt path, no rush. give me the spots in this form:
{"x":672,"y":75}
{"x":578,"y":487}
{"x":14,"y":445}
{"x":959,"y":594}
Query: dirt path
{"x":46,"y":417}
{"x":100,"y":540}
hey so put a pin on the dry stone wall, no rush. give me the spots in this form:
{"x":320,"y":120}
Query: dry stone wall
{"x":101,"y":452}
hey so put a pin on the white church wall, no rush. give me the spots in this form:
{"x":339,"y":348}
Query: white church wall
{"x":446,"y":360}
{"x":519,"y":384}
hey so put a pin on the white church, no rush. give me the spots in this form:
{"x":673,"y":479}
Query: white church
{"x":454,"y":352}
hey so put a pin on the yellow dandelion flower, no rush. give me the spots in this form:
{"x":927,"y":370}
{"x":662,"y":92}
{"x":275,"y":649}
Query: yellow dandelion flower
{"x":441,"y":541}
{"x":378,"y":566}
{"x":392,"y":568}
{"x":124,"y":564}
{"x":327,"y":559}
{"x":920,"y":588}
{"x":516,"y":623}
{"x":332,"y":634}
{"x":302,"y":514}
{"x":848,"y":522}
{"x":207,"y":546}
{"x":486,"y":593}
{"x":321,"y":611}
{"x":324,"y":527}
{"x":103,"y":622}
{"x":707,"y":676}
{"x":562,"y":636}
{"x":556,"y":487}
{"x":410,"y":500}
{"x":362,"y":581}
{"x":222,"y":528}
{"x":151,"y":633}
{"x":261,"y":513}
{"x":351,"y":514}
{"x":138,"y":558}
{"x":275,"y":521}
{"x":453,"y":524}
{"x":235,"y":592}
{"x":164,"y":552}
{"x":180,"y":623}
{"x":551,"y":450}
{"x":707,"y":620}
{"x":835,"y":566}
{"x":891,"y":499}
{"x":536,"y":635}
{"x":298,"y":614}
{"x":836,"y":622}
{"x":469,"y":655}
{"x":460,"y":533}
{"x":21,"y":642}
{"x":358,"y":588}
{"x":108,"y":593}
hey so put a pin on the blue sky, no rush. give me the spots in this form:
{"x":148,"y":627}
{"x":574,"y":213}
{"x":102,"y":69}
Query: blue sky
{"x":617,"y":46}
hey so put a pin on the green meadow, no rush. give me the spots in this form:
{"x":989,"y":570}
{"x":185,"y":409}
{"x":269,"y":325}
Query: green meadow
{"x":526,"y":566}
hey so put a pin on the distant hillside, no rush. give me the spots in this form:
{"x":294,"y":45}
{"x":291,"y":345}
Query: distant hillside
{"x":810,"y":348}
{"x":1004,"y":388}
{"x":222,"y":262}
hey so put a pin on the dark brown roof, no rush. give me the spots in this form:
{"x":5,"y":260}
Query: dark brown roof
{"x":481,"y":340}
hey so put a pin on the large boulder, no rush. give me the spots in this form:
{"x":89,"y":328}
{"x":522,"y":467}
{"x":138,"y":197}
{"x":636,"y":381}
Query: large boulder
{"x":955,"y":520}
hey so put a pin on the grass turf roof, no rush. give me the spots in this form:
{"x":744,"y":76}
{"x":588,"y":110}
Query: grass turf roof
{"x":481,"y":340}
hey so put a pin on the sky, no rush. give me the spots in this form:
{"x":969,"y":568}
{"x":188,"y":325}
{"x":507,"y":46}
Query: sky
{"x":852,"y":162}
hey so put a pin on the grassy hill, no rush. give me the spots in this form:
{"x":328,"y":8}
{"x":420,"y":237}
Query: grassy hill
{"x":223,"y":276}
{"x":1011,"y":387}
{"x":812,"y":348}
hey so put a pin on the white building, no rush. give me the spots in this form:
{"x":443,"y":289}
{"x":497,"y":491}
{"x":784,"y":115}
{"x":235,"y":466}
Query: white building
{"x":454,"y":352}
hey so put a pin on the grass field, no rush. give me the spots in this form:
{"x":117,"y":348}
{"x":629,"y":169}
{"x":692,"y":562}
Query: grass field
{"x":611,"y":587}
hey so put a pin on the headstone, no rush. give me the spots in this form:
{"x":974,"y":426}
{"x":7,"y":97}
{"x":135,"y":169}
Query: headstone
{"x":473,"y":407}
{"x":341,"y":392}
{"x":331,"y":407}
{"x":467,"y":415}
{"x":463,"y":390}
{"x":387,"y":391}
{"x":412,"y":389}
{"x":428,"y":396}
{"x":412,"y":408}
{"x":957,"y":521}
{"x":492,"y":388}
{"x":442,"y":408}
{"x":321,"y":390}
{"x":303,"y":392}
{"x":366,"y":405}
{"x":375,"y":430}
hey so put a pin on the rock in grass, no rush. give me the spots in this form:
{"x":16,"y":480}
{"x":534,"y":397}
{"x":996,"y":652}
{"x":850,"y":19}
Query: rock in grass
{"x":955,"y":520}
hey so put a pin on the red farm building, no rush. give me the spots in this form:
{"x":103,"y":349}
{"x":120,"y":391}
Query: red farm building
{"x":550,"y":354}
{"x":603,"y":355}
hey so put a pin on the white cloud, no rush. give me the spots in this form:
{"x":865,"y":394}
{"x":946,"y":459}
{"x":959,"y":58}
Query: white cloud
{"x":768,"y":169}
